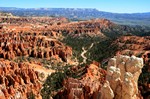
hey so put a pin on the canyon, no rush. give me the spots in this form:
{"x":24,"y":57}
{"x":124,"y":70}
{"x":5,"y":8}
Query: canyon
{"x":53,"y":57}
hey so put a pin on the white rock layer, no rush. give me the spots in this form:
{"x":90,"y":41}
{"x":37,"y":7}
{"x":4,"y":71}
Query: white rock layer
{"x":122,"y":77}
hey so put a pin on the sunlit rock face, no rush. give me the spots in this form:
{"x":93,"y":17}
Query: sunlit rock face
{"x":88,"y":86}
{"x":18,"y":81}
{"x":119,"y":82}
{"x":14,"y":45}
{"x":122,"y":76}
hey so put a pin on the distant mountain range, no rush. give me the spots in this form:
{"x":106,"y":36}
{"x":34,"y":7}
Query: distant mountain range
{"x":82,"y":14}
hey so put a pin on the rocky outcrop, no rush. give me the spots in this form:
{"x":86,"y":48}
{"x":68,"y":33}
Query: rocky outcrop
{"x":6,"y":15}
{"x":39,"y":46}
{"x":122,"y":74}
{"x":90,"y":28}
{"x":17,"y":81}
{"x":132,"y":45}
{"x":120,"y":81}
{"x":13,"y":20}
{"x":138,"y":46}
{"x":32,"y":37}
{"x":89,"y":85}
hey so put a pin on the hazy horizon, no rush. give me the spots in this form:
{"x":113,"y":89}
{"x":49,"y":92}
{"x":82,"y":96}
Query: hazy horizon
{"x":80,"y":8}
{"x":117,"y":6}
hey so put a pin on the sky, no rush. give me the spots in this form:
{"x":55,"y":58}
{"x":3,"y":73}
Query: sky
{"x":117,"y":6}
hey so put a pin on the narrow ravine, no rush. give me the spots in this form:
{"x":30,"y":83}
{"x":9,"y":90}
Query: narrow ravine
{"x":84,"y":52}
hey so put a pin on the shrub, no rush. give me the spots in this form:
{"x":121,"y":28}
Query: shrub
{"x":52,"y":83}
{"x":31,"y":95}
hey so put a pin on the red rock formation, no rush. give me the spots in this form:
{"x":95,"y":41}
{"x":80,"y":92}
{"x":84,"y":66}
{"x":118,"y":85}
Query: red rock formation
{"x":90,"y":27}
{"x":34,"y":46}
{"x":132,"y":45}
{"x":85,"y":88}
{"x":17,"y":80}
